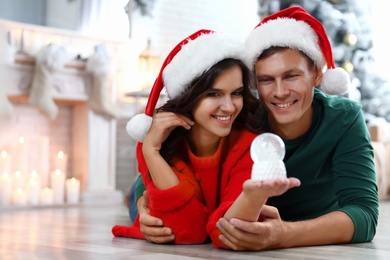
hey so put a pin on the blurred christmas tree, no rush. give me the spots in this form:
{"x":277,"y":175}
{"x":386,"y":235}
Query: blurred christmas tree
{"x":349,"y":27}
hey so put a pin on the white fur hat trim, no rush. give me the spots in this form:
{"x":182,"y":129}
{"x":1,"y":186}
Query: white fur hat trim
{"x":284,"y":32}
{"x":194,"y":58}
{"x":296,"y":34}
{"x":138,"y":126}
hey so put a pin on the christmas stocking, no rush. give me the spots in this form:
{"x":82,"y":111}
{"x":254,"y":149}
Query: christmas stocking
{"x":5,"y":106}
{"x":99,"y":65}
{"x":49,"y":59}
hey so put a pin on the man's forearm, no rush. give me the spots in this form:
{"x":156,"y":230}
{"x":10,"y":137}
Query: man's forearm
{"x":332,"y":228}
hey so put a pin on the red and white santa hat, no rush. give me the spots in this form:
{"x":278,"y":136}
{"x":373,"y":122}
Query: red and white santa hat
{"x":295,"y":28}
{"x":189,"y":59}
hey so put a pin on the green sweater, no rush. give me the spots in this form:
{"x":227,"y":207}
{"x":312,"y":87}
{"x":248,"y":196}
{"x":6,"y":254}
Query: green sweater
{"x":334,"y":162}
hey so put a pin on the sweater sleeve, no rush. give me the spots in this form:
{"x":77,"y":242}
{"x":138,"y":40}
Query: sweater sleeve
{"x":143,"y":170}
{"x":181,"y":207}
{"x":139,"y":188}
{"x":355,"y":180}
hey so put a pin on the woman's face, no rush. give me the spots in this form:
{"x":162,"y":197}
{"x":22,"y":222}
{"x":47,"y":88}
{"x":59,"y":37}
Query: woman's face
{"x":215,"y":113}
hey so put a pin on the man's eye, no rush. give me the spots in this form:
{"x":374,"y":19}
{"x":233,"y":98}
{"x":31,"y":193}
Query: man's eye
{"x":292,"y":76}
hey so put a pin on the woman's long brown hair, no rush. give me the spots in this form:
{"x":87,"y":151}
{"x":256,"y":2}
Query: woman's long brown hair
{"x":251,"y":115}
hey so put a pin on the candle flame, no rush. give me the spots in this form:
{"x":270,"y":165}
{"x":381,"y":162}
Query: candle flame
{"x":5,"y":175}
{"x":4,"y":154}
{"x":60,"y":154}
{"x":57,"y":172}
{"x":21,"y":140}
{"x":18,"y":174}
{"x":34,"y":174}
{"x":19,"y":190}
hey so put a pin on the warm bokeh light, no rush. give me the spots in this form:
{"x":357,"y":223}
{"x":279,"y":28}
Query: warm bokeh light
{"x":60,"y":154}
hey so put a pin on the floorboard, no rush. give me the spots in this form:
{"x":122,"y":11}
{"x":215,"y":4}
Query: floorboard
{"x":84,"y":232}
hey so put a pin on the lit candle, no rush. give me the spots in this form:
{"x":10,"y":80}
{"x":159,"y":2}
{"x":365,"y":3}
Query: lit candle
{"x":5,"y":161}
{"x":34,"y":176}
{"x":61,"y":161}
{"x":21,"y":156}
{"x":5,"y":189}
{"x":57,"y":181}
{"x":17,"y":180}
{"x":19,"y":197}
{"x":72,"y":191}
{"x":33,"y":192}
{"x":42,"y":164}
{"x":46,"y":196}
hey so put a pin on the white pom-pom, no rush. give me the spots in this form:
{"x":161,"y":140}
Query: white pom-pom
{"x":336,"y":81}
{"x":138,"y":126}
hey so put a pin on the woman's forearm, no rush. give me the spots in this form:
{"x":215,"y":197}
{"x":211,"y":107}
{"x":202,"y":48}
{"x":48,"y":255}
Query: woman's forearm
{"x":160,"y":172}
{"x":245,"y":208}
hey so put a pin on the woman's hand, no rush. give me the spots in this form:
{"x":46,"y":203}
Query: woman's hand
{"x":160,"y":170}
{"x":162,"y":125}
{"x":257,"y":190}
{"x":249,"y":203}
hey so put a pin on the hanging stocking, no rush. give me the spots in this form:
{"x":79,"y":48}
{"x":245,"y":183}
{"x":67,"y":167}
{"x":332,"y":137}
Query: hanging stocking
{"x":6,"y":107}
{"x":49,"y":59}
{"x":99,"y":64}
{"x":7,"y":54}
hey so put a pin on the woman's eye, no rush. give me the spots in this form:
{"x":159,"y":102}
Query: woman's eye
{"x":237,"y":93}
{"x":212,"y":94}
{"x":264,"y":81}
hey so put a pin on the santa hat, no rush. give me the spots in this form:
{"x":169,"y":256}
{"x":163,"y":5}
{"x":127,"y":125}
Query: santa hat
{"x":189,"y":59}
{"x":295,"y":28}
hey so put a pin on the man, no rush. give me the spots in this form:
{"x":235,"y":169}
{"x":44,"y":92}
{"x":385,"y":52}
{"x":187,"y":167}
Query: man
{"x":327,"y":144}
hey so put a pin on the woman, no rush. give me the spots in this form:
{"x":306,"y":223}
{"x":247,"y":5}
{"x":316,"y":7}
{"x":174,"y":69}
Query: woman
{"x":195,"y":156}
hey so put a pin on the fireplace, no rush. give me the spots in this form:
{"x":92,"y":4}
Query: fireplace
{"x":88,"y":138}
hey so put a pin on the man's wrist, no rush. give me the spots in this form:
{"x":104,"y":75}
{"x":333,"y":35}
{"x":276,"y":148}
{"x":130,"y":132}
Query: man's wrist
{"x":140,"y":204}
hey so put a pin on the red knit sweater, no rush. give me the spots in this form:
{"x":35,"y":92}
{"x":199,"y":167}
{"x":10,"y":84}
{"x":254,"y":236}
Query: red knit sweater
{"x":207,"y":188}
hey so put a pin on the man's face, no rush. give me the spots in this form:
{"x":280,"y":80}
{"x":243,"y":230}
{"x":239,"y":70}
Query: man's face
{"x":286,"y":86}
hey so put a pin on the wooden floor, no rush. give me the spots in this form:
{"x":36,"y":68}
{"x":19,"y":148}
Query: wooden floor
{"x":84,"y":232}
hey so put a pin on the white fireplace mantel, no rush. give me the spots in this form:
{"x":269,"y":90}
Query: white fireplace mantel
{"x":93,"y":135}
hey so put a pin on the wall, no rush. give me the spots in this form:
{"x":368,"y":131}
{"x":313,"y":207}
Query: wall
{"x":31,"y":11}
{"x":174,"y":19}
{"x":63,"y":14}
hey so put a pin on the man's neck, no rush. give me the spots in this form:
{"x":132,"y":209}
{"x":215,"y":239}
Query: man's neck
{"x":294,"y":129}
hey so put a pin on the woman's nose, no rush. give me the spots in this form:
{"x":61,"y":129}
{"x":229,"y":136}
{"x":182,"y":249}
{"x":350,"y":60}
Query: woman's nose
{"x":227,"y":104}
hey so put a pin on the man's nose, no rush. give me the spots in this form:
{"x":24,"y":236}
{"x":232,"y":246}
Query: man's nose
{"x":280,"y":89}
